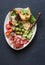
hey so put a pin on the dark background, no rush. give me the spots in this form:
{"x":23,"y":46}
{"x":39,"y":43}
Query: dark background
{"x":34,"y":53}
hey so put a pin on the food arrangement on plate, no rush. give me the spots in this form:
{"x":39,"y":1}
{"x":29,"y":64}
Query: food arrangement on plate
{"x":20,"y":27}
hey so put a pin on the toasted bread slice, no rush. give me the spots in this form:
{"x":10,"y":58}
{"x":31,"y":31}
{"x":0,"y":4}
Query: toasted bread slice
{"x":24,"y":13}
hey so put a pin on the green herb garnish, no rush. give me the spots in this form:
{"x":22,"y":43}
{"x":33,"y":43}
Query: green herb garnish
{"x":13,"y":13}
{"x":32,"y":19}
{"x":25,"y":12}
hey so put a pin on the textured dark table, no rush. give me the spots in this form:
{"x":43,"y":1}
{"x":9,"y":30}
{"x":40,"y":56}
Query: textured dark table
{"x":33,"y":54}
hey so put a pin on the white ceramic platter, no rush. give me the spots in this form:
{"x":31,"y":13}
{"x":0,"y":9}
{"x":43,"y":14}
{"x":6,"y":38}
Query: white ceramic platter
{"x":34,"y":32}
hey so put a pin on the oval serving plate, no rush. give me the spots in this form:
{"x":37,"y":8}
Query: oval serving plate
{"x":34,"y":32}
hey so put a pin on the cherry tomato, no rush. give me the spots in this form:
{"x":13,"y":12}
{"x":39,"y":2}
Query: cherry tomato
{"x":8,"y":26}
{"x":10,"y":22}
{"x":10,"y":30}
{"x":7,"y":33}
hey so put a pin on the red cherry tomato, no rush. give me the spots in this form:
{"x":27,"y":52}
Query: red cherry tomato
{"x":7,"y":33}
{"x":10,"y":30}
{"x":10,"y":22}
{"x":8,"y":26}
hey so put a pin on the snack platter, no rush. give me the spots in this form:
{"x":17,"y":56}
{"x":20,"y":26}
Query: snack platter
{"x":18,"y":28}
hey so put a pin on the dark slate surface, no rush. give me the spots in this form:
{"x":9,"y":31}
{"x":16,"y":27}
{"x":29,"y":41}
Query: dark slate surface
{"x":33,"y":54}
